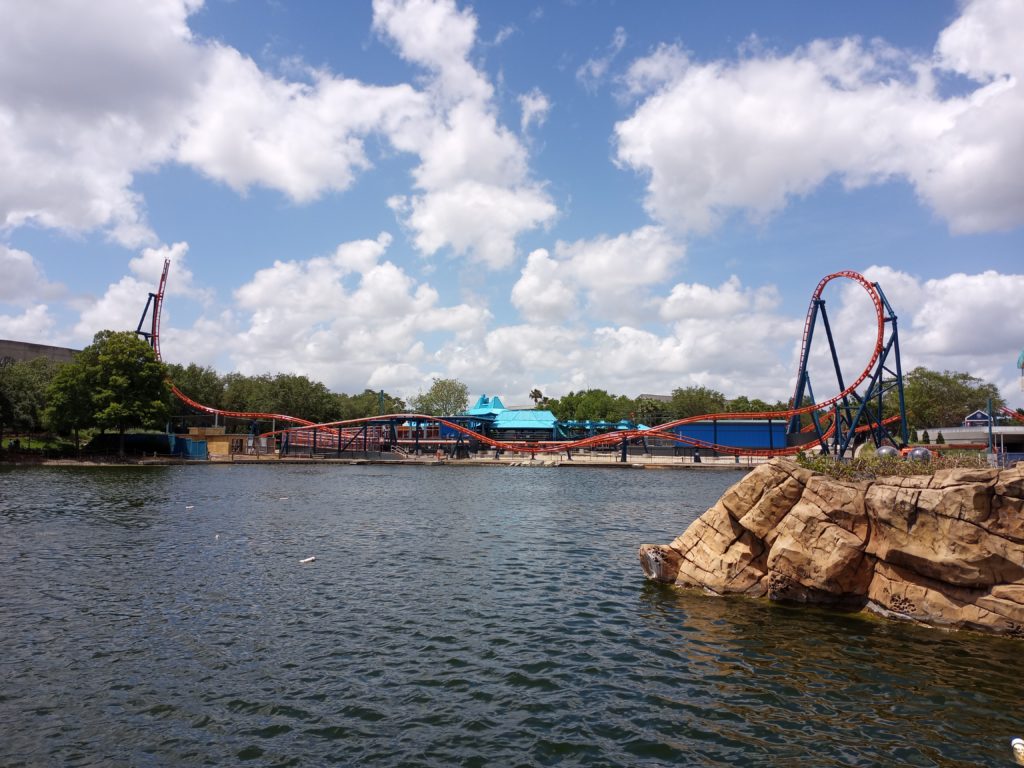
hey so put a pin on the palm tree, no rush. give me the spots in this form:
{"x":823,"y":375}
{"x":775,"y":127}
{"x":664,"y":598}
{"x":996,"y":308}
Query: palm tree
{"x":536,"y":395}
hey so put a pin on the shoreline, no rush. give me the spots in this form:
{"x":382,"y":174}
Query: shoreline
{"x":657,"y":463}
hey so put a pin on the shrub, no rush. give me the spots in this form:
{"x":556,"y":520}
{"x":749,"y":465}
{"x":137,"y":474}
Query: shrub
{"x":871,"y":467}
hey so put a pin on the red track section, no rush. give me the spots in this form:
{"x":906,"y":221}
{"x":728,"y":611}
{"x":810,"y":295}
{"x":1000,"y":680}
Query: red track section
{"x":1013,"y":414}
{"x":662,"y":431}
{"x":158,"y":301}
{"x":237,"y":414}
{"x":545,"y":446}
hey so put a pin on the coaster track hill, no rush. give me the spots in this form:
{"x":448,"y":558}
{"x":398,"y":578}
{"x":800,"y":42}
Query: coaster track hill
{"x":833,"y":425}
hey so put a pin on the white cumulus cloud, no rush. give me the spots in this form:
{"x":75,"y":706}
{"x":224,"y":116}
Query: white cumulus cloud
{"x":474,"y":191}
{"x":593,"y":71}
{"x":121,"y":305}
{"x":23,"y":281}
{"x":535,"y":106}
{"x":613,"y":275}
{"x":351,"y":319}
{"x":720,"y":137}
{"x":93,"y":95}
{"x":35,"y":323}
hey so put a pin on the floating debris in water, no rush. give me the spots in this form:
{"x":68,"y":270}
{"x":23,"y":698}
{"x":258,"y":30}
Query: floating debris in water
{"x":190,"y":506}
{"x":283,"y":498}
{"x":1017,"y":745}
{"x":308,"y":559}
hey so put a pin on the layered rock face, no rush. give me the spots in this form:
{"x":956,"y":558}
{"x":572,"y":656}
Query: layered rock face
{"x":944,"y":549}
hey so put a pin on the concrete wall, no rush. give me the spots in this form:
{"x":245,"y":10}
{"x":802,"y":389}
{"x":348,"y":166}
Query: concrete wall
{"x":23,"y":350}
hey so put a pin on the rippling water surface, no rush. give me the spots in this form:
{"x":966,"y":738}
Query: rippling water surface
{"x":453,"y":616}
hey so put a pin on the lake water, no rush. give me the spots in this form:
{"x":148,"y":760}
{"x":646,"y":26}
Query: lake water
{"x":453,"y":616}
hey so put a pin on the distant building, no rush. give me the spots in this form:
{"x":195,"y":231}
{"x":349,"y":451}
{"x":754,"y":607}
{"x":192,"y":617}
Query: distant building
{"x":977,"y":419}
{"x":490,"y":416}
{"x":1007,"y":436}
{"x":20,"y":351}
{"x":656,"y":398}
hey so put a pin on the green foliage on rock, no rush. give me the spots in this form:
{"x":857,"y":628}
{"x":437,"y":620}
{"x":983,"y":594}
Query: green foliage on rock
{"x":868,"y":468}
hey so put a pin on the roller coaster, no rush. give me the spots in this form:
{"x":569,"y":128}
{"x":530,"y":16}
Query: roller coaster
{"x":834,"y":425}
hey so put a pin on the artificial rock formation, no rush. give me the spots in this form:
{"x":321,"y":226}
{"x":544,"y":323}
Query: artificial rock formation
{"x":944,"y":549}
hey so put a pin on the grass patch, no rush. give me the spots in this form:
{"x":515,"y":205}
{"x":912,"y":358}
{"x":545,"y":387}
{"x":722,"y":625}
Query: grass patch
{"x":872,"y":467}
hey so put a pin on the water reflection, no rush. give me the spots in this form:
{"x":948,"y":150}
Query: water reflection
{"x":470,"y":617}
{"x":843,"y":686}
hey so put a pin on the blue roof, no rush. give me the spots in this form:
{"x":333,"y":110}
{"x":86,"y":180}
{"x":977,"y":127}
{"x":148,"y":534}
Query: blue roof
{"x":525,"y":420}
{"x":485,"y":406}
{"x":502,"y":418}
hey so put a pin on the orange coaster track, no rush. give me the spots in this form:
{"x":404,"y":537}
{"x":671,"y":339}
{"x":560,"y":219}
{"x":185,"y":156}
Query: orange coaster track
{"x":156,"y":300}
{"x":1013,"y":414}
{"x":335,"y":431}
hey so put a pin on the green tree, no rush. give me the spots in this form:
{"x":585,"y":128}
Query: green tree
{"x":367,"y":403}
{"x":925,"y":437}
{"x":284,"y":393}
{"x":648,"y":411}
{"x":939,"y":439}
{"x":943,"y":399}
{"x":69,"y":406}
{"x":248,"y":393}
{"x":299,"y":396}
{"x":204,"y":385}
{"x":536,"y":395}
{"x":562,"y":407}
{"x":743,"y":404}
{"x":129,"y":385}
{"x":696,"y":401}
{"x":592,"y":405}
{"x":446,"y":397}
{"x":23,"y":387}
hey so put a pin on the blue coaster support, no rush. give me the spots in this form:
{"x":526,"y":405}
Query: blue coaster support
{"x":855,"y":413}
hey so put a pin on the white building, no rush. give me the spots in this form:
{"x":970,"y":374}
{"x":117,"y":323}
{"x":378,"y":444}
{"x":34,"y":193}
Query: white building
{"x":1007,"y":436}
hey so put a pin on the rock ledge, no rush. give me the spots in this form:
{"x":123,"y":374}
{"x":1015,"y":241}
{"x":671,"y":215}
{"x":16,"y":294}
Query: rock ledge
{"x":945,"y":550}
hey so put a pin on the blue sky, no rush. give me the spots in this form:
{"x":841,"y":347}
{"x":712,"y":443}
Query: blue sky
{"x":635,"y":196}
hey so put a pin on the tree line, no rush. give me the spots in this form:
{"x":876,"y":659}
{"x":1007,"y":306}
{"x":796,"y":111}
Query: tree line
{"x":600,"y":405}
{"x":931,"y":399}
{"x":283,"y":393}
{"x":116,"y":384}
